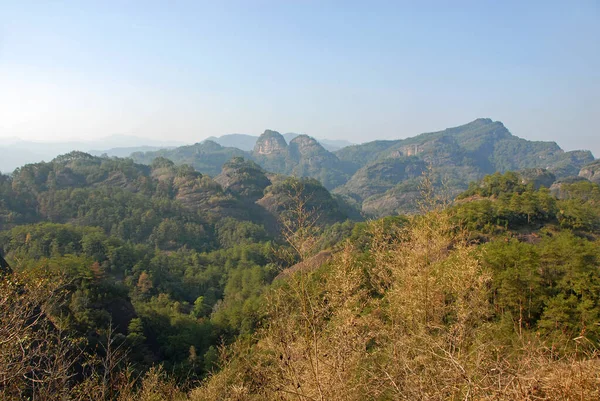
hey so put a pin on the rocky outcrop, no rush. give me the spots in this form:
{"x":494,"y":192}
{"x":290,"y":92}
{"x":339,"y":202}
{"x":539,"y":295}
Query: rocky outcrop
{"x":269,"y":143}
{"x":557,"y":189}
{"x":304,"y":145}
{"x":244,"y":178}
{"x":591,"y":172}
{"x":538,"y":177}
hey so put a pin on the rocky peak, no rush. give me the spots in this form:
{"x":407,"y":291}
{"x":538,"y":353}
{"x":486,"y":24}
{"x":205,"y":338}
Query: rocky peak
{"x":210,"y":145}
{"x":270,"y":142}
{"x":591,"y":172}
{"x":306,"y":144}
{"x":538,"y":177}
{"x":243,"y":177}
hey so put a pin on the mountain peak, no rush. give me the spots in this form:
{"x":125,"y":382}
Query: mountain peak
{"x":210,"y":144}
{"x":270,"y":142}
{"x":304,"y":140}
{"x":307,"y":145}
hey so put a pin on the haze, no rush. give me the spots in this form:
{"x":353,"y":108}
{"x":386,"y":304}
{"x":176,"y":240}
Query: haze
{"x":183,"y":71}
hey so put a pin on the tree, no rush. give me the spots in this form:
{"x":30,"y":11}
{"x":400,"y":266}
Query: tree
{"x":299,"y":219}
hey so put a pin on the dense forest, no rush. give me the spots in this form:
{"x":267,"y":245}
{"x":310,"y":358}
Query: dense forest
{"x":159,"y":282}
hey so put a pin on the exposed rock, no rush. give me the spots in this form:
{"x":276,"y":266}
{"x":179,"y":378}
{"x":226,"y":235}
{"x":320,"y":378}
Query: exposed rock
{"x":379,"y":177}
{"x":591,"y":172}
{"x":244,"y":178}
{"x":538,"y":177}
{"x":270,"y":142}
{"x":556,"y":189}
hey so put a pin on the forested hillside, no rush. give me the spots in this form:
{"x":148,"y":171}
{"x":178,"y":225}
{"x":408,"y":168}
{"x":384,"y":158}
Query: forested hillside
{"x":381,"y":177}
{"x":159,"y":262}
{"x":457,"y":156}
{"x":157,"y":282}
{"x":495,"y":297}
{"x":231,"y":278}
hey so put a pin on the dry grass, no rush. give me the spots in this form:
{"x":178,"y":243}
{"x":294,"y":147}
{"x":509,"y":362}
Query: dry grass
{"x":411,"y":321}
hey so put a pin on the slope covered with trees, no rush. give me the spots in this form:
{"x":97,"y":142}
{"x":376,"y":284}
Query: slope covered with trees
{"x":495,"y":297}
{"x":133,"y":282}
{"x":457,"y":156}
{"x":157,"y":281}
{"x":121,"y":266}
{"x":379,"y":177}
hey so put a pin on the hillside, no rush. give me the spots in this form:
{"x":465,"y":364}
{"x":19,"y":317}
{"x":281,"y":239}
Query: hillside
{"x":157,"y":259}
{"x":67,"y":188}
{"x":591,"y":172}
{"x":246,"y":142}
{"x":456,"y":155}
{"x":175,"y":277}
{"x":379,"y":177}
{"x":207,"y":157}
{"x":505,"y":308}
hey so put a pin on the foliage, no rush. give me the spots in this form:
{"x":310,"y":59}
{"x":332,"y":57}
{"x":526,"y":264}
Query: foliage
{"x":425,"y":313}
{"x":139,"y":282}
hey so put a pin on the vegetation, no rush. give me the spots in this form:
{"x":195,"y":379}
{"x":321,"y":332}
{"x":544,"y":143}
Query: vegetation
{"x":381,"y":177}
{"x":161,"y":259}
{"x":207,"y":157}
{"x":127,"y":281}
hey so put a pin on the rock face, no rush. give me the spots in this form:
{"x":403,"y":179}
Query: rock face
{"x":305,"y":146}
{"x":306,"y":150}
{"x":303,"y":157}
{"x":244,"y":178}
{"x":381,"y":177}
{"x":271,"y":152}
{"x":270,"y":143}
{"x":557,"y":189}
{"x":591,"y":172}
{"x":538,"y":177}
{"x":310,"y":159}
{"x":377,"y":178}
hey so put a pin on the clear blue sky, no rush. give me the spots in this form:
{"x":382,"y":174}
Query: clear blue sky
{"x":342,"y":70}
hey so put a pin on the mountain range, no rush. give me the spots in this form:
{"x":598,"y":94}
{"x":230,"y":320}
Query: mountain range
{"x":247,"y":142}
{"x":377,"y":178}
{"x":382,"y":177}
{"x":176,"y":262}
{"x":17,"y":152}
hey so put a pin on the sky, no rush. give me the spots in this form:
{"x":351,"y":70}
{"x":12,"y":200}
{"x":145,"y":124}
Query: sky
{"x":183,"y":71}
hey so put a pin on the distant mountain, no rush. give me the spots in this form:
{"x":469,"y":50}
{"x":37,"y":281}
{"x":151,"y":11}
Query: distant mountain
{"x":382,"y":177}
{"x":240,"y":141}
{"x":289,"y":136}
{"x":16,"y":153}
{"x":246,"y":142}
{"x":386,"y":183}
{"x":207,"y":157}
{"x":303,"y":157}
{"x":126,"y":152}
{"x":334,"y":144}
